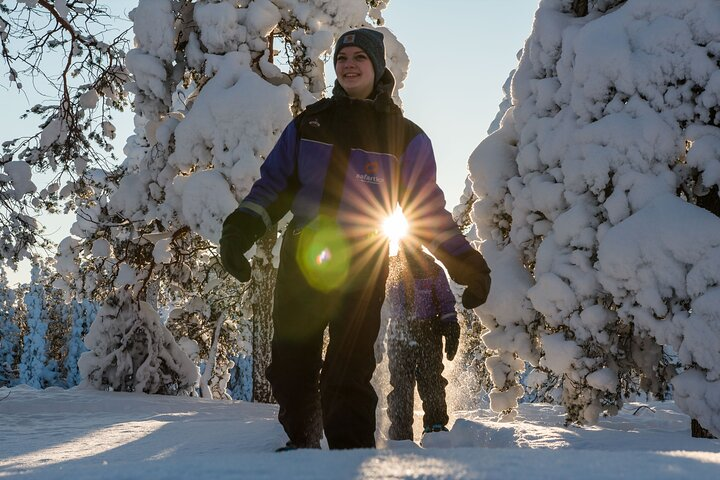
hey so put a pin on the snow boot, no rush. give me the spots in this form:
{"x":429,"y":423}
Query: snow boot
{"x":430,"y":429}
{"x":293,"y":446}
{"x":289,"y":446}
{"x":435,"y":428}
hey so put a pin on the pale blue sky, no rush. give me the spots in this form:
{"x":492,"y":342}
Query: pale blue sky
{"x":461,"y":52}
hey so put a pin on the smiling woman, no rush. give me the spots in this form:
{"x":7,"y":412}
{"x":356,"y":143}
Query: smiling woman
{"x":355,"y":72}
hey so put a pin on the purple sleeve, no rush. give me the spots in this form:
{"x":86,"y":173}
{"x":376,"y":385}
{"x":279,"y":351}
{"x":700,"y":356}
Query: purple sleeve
{"x":423,"y":203}
{"x":271,"y":195}
{"x":445,"y":297}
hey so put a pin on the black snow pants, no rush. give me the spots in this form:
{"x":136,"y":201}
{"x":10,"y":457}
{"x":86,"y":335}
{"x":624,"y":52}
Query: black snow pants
{"x":334,"y":394}
{"x":415,"y":355}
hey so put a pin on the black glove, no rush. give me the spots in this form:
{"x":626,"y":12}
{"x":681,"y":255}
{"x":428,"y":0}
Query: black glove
{"x":233,"y":260}
{"x":240,"y":231}
{"x":472,"y":300}
{"x":471,"y":269}
{"x":451,"y":332}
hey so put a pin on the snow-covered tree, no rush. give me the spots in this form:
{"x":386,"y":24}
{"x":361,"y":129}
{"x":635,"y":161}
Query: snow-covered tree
{"x":240,"y":383}
{"x":59,"y":325}
{"x":82,"y":314}
{"x":470,"y":369}
{"x":68,"y":56}
{"x":9,"y":333}
{"x":37,"y":369}
{"x":130,"y":350}
{"x":590,"y":198}
{"x":209,"y":338}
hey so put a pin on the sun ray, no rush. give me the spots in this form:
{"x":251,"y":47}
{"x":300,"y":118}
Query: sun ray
{"x":395,"y":227}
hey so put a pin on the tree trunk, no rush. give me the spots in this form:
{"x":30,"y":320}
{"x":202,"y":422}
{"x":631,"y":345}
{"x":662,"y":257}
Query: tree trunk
{"x":710,"y":202}
{"x":698,"y":431}
{"x":261,"y":298}
{"x":580,"y":7}
{"x":205,"y":384}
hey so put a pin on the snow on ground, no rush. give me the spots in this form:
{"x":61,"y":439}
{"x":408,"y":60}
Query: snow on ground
{"x":87,"y":434}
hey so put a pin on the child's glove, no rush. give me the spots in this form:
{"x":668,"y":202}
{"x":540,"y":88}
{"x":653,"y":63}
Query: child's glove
{"x":451,"y":332}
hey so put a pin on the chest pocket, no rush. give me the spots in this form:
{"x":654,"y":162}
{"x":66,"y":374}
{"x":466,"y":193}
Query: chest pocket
{"x":371,"y":180}
{"x":313,"y":160}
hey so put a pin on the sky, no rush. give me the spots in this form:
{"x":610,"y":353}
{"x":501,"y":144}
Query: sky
{"x":457,"y":71}
{"x":81,"y":434}
{"x":452,"y":91}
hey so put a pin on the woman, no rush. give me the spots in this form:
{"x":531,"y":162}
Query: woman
{"x":341,"y":167}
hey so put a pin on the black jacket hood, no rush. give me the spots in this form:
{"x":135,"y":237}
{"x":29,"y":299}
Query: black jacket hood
{"x":381,"y":94}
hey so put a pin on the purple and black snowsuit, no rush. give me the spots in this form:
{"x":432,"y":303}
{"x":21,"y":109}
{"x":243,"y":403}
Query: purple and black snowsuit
{"x":340,"y":167}
{"x":419,"y":297}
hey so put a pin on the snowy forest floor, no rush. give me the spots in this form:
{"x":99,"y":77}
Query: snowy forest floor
{"x":87,"y":434}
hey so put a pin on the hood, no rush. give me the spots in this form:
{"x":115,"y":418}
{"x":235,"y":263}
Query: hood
{"x":381,"y":95}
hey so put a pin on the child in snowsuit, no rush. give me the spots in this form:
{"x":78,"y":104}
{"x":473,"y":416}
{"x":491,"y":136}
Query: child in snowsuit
{"x":422,"y":312}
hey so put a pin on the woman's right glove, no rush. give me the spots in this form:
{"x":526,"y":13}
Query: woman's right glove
{"x":240,"y":231}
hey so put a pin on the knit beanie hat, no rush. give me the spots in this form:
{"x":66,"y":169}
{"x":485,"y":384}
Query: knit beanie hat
{"x":370,"y":41}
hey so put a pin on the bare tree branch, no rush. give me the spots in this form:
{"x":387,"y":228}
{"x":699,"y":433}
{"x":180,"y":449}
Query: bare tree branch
{"x":74,"y":61}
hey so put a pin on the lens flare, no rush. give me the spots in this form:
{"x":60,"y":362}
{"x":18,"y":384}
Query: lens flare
{"x":395,"y":227}
{"x":324,"y":255}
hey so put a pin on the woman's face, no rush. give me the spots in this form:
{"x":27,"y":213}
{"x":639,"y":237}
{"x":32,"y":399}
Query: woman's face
{"x":354,"y":72}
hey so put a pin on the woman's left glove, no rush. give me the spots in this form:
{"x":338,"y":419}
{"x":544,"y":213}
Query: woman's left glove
{"x":240,"y":231}
{"x":470,"y":269}
{"x":451,"y":332}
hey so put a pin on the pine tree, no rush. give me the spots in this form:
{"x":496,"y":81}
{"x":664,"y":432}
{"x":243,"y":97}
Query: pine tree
{"x":59,"y":326}
{"x":240,"y":385}
{"x":9,"y":334}
{"x":604,"y":137}
{"x":209,"y":338}
{"x":36,"y":368}
{"x":131,"y":350}
{"x":82,"y":314}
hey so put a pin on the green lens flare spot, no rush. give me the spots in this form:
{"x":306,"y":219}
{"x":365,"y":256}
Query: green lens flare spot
{"x":324,"y":255}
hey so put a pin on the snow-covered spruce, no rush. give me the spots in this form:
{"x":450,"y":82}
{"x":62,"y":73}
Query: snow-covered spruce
{"x":9,"y":332}
{"x":130,"y":350}
{"x":591,"y":196}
